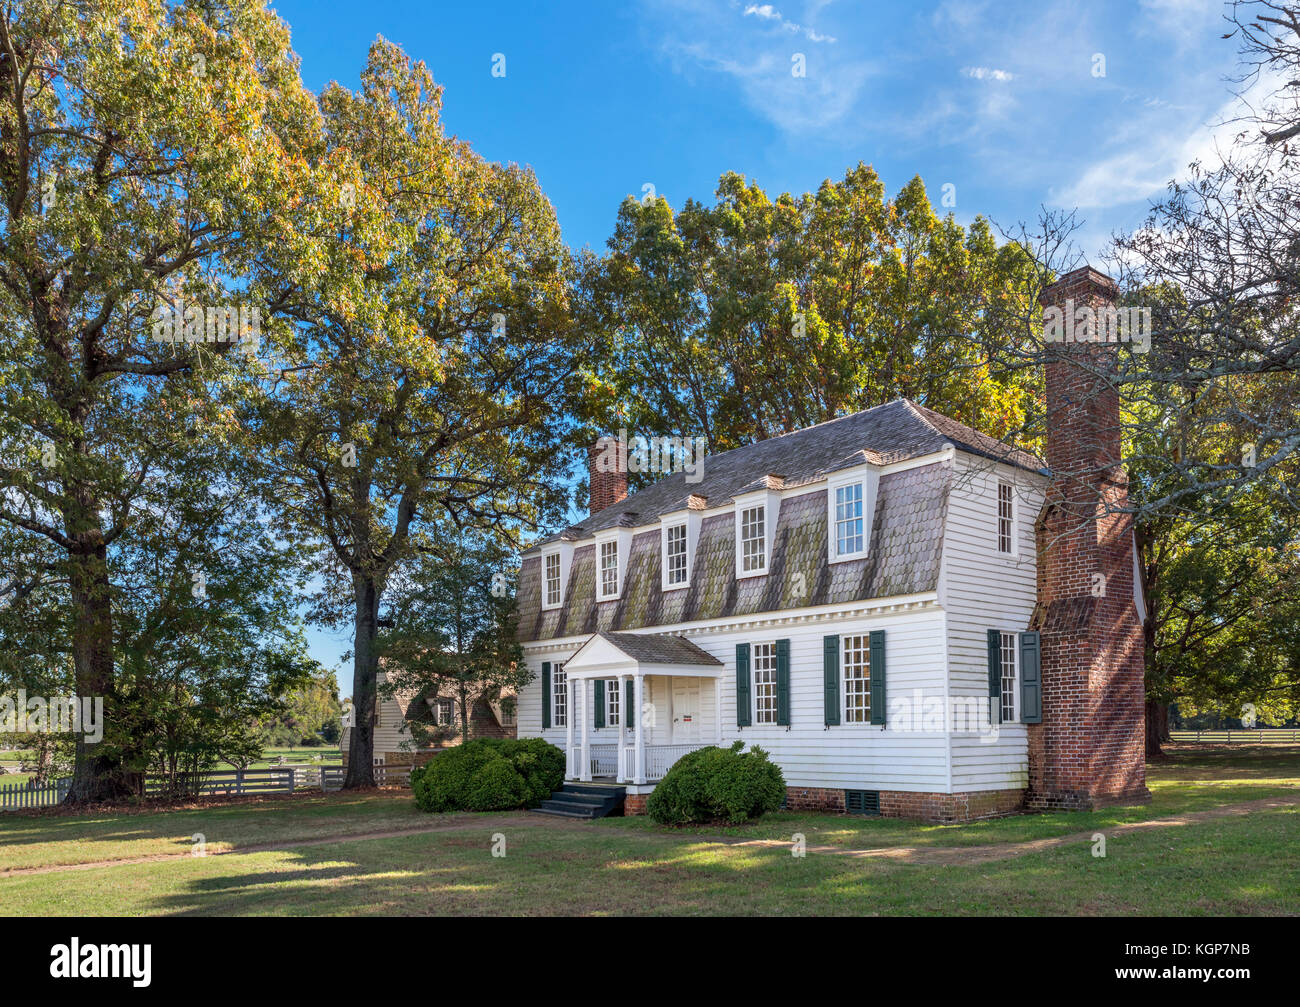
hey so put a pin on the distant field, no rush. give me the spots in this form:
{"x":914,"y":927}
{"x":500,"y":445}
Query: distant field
{"x":292,"y":757}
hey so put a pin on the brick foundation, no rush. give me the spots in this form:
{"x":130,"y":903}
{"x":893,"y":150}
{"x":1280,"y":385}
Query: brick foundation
{"x":634,"y":804}
{"x":942,"y":808}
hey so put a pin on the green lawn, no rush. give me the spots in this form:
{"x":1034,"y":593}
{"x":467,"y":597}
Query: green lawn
{"x":1242,"y":864}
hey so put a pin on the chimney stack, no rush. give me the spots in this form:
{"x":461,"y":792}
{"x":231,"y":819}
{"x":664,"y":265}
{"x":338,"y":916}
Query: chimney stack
{"x":1090,"y":748}
{"x":607,"y":468}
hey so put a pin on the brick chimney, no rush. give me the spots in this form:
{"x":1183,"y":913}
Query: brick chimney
{"x":1089,"y":750}
{"x":607,"y":468}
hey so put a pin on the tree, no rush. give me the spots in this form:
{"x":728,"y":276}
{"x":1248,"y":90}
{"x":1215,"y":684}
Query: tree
{"x":311,"y":714}
{"x":140,"y":143}
{"x":828,"y":302}
{"x":425,"y":366}
{"x":454,"y":633}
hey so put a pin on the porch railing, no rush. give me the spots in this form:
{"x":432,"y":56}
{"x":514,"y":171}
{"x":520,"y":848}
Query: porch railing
{"x":658,"y":759}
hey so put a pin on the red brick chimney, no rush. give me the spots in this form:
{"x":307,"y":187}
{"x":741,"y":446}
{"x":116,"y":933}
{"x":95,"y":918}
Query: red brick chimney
{"x":1090,"y":748}
{"x":607,"y":467}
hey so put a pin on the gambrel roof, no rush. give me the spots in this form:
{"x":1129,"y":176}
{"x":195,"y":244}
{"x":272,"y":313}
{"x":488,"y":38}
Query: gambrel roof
{"x":903,"y":557}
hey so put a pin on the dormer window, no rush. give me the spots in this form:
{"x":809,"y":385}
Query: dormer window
{"x":848,"y":519}
{"x":609,"y":569}
{"x":680,"y":531}
{"x":850,"y":508}
{"x":753,"y":540}
{"x":675,"y":568}
{"x":555,"y":574}
{"x":553,"y":580}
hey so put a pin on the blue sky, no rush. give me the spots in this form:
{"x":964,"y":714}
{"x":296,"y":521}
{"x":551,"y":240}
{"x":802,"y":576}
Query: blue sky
{"x":1001,"y":100}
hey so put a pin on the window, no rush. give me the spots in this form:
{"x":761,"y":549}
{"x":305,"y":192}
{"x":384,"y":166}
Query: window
{"x":848,"y":519}
{"x":857,"y":680}
{"x":444,"y":712}
{"x":764,"y":683}
{"x":559,"y":696}
{"x":553,"y":579}
{"x":753,"y":541}
{"x":1006,"y":520}
{"x":609,"y":569}
{"x":613,"y":702}
{"x":1009,"y":691}
{"x":675,"y":554}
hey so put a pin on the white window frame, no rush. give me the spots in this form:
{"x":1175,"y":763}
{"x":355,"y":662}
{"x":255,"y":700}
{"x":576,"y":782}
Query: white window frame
{"x":860,"y":714}
{"x":622,"y":539}
{"x":559,"y":696}
{"x":763,"y":661}
{"x":564,"y":550}
{"x":1011,"y":518}
{"x":613,"y":703}
{"x":552,"y":560}
{"x":868,"y":478}
{"x":438,"y":719}
{"x":753,"y":539}
{"x":691,"y":519}
{"x":1009,"y":660}
{"x":676,"y":534}
{"x":770,"y":502}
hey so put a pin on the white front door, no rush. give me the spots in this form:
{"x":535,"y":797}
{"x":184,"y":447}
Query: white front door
{"x":686,"y":711}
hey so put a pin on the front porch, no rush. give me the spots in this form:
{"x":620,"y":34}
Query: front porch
{"x":659,"y":697}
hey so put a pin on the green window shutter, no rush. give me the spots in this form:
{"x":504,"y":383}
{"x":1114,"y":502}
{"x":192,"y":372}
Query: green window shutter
{"x":1031,"y":678}
{"x":995,"y":676}
{"x":831,"y":679}
{"x":783,"y":682}
{"x":742,"y":685}
{"x":877,"y":641}
{"x":546,"y":695}
{"x":629,"y":718}
{"x":600,"y":702}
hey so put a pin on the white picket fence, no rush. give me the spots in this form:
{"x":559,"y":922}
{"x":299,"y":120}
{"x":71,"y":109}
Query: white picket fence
{"x":23,"y":794}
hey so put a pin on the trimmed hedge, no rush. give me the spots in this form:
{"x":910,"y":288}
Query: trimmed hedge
{"x":490,"y":774}
{"x":718,"y":784}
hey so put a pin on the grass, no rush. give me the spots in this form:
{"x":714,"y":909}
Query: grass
{"x":1223,"y":866}
{"x":292,"y":757}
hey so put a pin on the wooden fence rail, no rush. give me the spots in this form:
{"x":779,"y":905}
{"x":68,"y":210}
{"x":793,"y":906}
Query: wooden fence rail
{"x":1266,"y":735}
{"x":23,"y":795}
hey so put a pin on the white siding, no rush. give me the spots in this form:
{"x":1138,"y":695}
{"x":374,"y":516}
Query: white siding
{"x":849,"y":756}
{"x":982,"y":590}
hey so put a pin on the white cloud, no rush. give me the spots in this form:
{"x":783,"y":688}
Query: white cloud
{"x":987,"y":73}
{"x":766,"y":12}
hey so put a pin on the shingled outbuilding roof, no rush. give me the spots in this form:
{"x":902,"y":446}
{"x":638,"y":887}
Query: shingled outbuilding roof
{"x":659,"y":649}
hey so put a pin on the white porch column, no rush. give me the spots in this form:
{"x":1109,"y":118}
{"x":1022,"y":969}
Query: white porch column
{"x":621,"y":734}
{"x":585,"y":689}
{"x":570,"y":764}
{"x":640,"y":729}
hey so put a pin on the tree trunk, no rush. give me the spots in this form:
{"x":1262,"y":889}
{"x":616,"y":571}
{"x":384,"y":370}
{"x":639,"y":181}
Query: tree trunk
{"x":361,"y":749}
{"x":1157,"y":730}
{"x":95,"y":776}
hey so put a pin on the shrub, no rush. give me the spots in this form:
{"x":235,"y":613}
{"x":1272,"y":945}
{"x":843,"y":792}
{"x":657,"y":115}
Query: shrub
{"x":718,"y":784}
{"x":489,"y":774}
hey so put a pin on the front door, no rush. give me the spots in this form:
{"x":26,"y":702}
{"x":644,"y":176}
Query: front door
{"x":686,"y":711}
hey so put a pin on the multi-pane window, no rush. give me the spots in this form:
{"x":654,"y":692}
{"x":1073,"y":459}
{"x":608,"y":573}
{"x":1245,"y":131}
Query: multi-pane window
{"x":1006,"y":521}
{"x":559,"y":696}
{"x":857,"y":680}
{"x":848,"y":519}
{"x":675,"y":554}
{"x":613,"y":702}
{"x":753,"y":543}
{"x":764,"y":683}
{"x":609,"y":568}
{"x":1009,"y":691}
{"x":553,"y":579}
{"x":444,"y":712}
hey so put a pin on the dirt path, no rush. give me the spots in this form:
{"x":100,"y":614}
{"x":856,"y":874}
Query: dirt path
{"x":935,"y":855}
{"x":946,"y":855}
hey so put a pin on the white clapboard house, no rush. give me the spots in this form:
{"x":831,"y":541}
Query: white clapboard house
{"x":855,"y":598}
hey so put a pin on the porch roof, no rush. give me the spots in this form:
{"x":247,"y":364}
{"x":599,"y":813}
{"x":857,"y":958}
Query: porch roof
{"x":608,"y":653}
